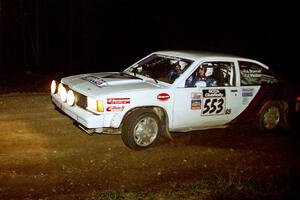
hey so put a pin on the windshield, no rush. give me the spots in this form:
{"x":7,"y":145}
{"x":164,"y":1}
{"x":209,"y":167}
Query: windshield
{"x":161,"y":68}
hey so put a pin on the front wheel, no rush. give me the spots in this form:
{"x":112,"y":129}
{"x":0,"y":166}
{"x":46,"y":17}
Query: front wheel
{"x":141,"y":129}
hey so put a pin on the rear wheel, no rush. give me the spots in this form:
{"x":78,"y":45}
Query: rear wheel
{"x":141,"y":129}
{"x":269,"y":116}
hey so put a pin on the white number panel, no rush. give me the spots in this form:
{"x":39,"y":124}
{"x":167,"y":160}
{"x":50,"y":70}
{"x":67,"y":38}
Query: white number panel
{"x":214,"y":102}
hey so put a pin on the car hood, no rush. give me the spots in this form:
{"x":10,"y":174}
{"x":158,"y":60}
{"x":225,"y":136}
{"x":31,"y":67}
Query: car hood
{"x":99,"y":84}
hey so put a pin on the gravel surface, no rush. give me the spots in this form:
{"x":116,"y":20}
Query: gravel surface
{"x":44,"y":156}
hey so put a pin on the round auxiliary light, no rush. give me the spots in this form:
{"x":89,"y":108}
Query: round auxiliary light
{"x":70,"y":98}
{"x":53,"y":87}
{"x":62,"y":92}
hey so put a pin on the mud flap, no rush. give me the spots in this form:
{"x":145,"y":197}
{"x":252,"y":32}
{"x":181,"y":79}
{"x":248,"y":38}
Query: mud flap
{"x":88,"y":131}
{"x":285,"y":122}
{"x":166,"y":133}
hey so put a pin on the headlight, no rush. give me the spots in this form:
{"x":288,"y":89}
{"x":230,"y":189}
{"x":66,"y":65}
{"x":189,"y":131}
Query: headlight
{"x":70,"y":98}
{"x":53,"y":87}
{"x":62,"y":92}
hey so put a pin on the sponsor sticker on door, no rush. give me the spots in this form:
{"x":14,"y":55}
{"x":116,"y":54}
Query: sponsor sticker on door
{"x":196,"y":101}
{"x":163,"y":97}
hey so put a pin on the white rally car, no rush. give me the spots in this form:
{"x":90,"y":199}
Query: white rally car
{"x":163,"y":93}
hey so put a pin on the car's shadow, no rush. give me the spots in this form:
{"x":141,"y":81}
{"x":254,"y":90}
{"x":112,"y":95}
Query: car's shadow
{"x":239,"y":137}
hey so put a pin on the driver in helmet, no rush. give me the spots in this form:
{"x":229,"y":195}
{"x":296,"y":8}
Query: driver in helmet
{"x":175,"y":71}
{"x":203,"y":78}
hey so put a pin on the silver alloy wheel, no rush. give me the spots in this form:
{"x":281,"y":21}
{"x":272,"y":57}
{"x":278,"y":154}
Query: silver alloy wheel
{"x":145,"y":131}
{"x":271,"y":117}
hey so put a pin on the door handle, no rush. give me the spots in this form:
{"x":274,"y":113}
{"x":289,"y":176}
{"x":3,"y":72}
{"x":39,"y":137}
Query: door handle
{"x":234,"y":90}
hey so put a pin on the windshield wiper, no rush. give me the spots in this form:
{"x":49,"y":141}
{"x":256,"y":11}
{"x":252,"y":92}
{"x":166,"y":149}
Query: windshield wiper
{"x":128,"y":74}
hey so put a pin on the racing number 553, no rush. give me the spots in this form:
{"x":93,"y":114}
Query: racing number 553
{"x":213,"y":106}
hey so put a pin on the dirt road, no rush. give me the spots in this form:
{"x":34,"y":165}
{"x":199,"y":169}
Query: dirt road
{"x":44,"y":156}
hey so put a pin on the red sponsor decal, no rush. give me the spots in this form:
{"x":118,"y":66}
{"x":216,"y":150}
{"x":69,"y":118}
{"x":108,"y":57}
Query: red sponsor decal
{"x":115,"y":108}
{"x":163,"y":96}
{"x":118,"y":101}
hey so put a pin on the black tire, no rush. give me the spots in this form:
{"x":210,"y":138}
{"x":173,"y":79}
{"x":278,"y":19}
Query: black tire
{"x":141,"y":129}
{"x":270,"y":116}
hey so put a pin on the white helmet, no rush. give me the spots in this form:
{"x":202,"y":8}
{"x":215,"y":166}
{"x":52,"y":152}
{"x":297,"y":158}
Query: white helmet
{"x":209,"y":71}
{"x":182,"y":64}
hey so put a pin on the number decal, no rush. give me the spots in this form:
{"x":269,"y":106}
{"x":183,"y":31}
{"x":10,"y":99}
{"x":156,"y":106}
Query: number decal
{"x":213,"y":106}
{"x":221,"y":107}
{"x":214,"y":102}
{"x":206,"y":106}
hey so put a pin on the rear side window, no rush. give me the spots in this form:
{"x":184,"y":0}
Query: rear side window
{"x":254,"y":74}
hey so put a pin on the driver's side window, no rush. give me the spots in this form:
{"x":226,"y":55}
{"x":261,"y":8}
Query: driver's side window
{"x":212,"y":74}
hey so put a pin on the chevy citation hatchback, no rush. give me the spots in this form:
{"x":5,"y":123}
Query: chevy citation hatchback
{"x":173,"y":91}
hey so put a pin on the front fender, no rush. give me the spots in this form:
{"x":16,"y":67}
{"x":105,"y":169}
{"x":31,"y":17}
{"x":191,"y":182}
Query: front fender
{"x":159,"y":111}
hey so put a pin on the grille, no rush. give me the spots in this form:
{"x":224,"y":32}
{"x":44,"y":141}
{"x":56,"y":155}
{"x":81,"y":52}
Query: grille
{"x":81,"y":100}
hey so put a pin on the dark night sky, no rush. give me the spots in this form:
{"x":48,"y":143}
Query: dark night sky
{"x":97,"y":35}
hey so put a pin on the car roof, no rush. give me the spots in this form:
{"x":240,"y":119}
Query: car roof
{"x":198,"y":55}
{"x":195,"y":55}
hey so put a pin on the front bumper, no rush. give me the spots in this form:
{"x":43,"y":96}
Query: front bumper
{"x":80,"y":115}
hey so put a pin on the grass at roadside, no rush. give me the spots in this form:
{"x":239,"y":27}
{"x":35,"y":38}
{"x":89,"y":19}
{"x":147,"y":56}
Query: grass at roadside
{"x":232,"y":187}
